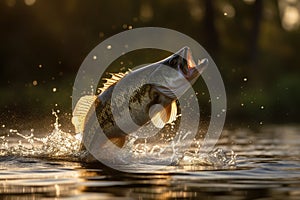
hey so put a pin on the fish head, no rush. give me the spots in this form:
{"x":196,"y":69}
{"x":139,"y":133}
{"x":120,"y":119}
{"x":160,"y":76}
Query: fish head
{"x":183,"y":62}
{"x":183,"y":74}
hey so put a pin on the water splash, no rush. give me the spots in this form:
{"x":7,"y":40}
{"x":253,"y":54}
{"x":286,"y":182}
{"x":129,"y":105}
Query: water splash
{"x":154,"y":153}
{"x":57,"y":144}
{"x":62,"y":145}
{"x":216,"y":158}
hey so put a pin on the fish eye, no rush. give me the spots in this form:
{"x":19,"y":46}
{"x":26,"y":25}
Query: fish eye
{"x":173,"y":62}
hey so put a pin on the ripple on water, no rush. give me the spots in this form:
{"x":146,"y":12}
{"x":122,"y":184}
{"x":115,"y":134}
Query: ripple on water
{"x":267,"y":167}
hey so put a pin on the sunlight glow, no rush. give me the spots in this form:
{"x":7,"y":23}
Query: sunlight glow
{"x":229,"y":11}
{"x":290,"y":14}
{"x":196,"y":10}
{"x":290,"y":18}
{"x":146,"y":12}
{"x":249,"y":1}
{"x":34,"y":83}
{"x":29,"y":2}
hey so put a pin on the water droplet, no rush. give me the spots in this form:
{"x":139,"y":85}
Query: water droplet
{"x":32,"y":130}
{"x":54,"y":89}
{"x":34,"y":83}
{"x":242,"y":104}
{"x":56,"y":104}
{"x":225,"y":14}
{"x":94,"y":57}
{"x":223,"y":110}
{"x":109,"y":47}
{"x":245,"y":79}
{"x":3,"y":125}
{"x":262,"y":107}
{"x":261,"y":123}
{"x":40,"y":66}
{"x":129,"y":27}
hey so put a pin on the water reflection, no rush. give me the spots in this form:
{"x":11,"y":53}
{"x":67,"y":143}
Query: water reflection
{"x":267,"y":166}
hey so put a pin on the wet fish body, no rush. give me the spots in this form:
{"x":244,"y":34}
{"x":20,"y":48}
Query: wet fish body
{"x":148,"y":93}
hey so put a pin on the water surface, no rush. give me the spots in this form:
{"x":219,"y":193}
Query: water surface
{"x":267,"y":167}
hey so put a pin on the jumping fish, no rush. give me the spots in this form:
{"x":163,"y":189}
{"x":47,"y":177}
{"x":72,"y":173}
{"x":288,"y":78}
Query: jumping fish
{"x":160,"y":83}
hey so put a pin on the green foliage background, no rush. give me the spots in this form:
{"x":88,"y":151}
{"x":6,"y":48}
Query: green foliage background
{"x":47,"y":41}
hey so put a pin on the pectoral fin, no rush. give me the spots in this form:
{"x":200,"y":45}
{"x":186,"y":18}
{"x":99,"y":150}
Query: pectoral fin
{"x":160,"y":116}
{"x":81,"y":110}
{"x":115,"y":77}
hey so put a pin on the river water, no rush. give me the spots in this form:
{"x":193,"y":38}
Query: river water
{"x":266,"y":166}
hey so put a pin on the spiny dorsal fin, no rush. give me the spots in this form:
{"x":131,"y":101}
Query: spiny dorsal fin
{"x":115,"y":77}
{"x":160,"y":117}
{"x":80,"y":112}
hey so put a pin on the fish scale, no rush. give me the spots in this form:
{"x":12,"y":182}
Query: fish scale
{"x":148,"y":94}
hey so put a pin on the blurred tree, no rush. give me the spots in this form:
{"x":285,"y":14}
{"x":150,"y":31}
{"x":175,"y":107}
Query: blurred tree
{"x":254,"y":35}
{"x":247,"y":43}
{"x":211,"y":33}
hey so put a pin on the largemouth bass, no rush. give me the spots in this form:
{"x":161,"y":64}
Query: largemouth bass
{"x":148,"y":94}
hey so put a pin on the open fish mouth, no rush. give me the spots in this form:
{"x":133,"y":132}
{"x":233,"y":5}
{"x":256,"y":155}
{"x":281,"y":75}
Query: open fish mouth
{"x":189,"y":68}
{"x":185,"y":73}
